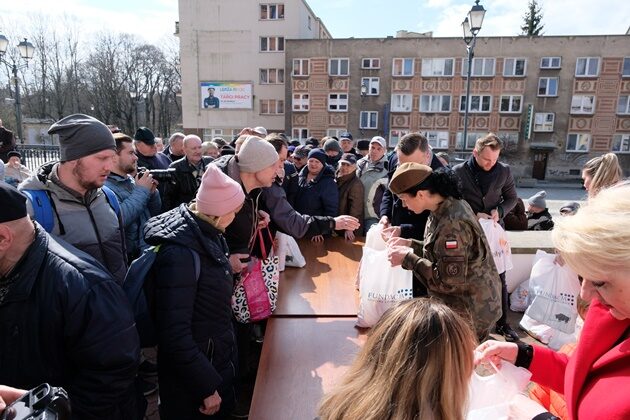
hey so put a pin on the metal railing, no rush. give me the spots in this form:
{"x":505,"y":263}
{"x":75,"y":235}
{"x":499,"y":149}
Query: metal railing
{"x":35,"y":155}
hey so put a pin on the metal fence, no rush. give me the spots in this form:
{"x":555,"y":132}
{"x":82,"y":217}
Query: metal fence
{"x":34,"y":156}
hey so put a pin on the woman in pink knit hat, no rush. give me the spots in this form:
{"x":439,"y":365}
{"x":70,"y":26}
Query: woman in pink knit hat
{"x":197,"y":349}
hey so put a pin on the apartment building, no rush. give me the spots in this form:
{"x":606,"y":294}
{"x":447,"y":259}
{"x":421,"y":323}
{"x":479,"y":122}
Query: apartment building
{"x":232,"y":62}
{"x":556,"y":101}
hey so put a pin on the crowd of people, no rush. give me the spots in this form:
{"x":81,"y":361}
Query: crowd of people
{"x":70,"y":230}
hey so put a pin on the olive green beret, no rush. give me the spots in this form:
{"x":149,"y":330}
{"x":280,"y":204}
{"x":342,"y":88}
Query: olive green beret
{"x":408,"y":175}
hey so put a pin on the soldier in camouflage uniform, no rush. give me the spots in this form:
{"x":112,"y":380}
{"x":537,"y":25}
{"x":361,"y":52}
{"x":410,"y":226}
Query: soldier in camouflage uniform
{"x":454,"y":261}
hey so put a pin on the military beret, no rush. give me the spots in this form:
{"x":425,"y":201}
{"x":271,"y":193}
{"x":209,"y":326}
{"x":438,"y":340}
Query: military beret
{"x":408,"y":175}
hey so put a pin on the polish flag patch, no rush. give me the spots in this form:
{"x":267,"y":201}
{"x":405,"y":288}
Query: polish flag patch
{"x":451,"y":244}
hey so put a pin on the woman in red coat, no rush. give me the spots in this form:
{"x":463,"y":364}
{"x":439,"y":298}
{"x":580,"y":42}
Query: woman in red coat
{"x":595,"y":379}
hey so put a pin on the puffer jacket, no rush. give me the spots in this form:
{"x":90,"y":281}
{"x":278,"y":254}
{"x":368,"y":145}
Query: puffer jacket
{"x":66,"y":322}
{"x":196,"y":338}
{"x":373,"y":176}
{"x":88,"y":223}
{"x":137,"y":205}
{"x":183,"y":188}
{"x":351,"y":198}
{"x":318,"y":197}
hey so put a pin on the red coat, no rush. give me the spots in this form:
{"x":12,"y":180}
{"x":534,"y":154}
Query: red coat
{"x":595,"y":380}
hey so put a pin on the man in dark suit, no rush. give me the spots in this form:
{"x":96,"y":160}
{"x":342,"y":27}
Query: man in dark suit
{"x":7,"y":143}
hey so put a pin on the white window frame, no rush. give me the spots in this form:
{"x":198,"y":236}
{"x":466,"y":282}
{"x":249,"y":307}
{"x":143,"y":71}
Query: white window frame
{"x":511,"y":100}
{"x":437,"y":139}
{"x":509,"y":138}
{"x":338,"y":102}
{"x":550,"y":61}
{"x":625,"y":67}
{"x":371,"y":119}
{"x":395,"y":135}
{"x":583,"y":104}
{"x":487,"y":64}
{"x":435,"y":103}
{"x":623,"y":105}
{"x":277,"y":104}
{"x":547,"y":83}
{"x":481,"y":99}
{"x":335,"y":132}
{"x":579,"y":139}
{"x":300,"y":67}
{"x":300,"y":102}
{"x":470,"y":141}
{"x":267,"y":7}
{"x":544,"y":122}
{"x":339,"y":62}
{"x":587,"y":66}
{"x":623,"y":139}
{"x":372,"y":63}
{"x":403,"y":72}
{"x":401,"y":102}
{"x":372,"y":84}
{"x":277,"y":40}
{"x":300,"y":133}
{"x":436,"y":67}
{"x":277,"y":75}
{"x":510,"y":66}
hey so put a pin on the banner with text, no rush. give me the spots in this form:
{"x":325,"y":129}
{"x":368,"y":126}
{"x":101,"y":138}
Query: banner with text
{"x":226,"y":95}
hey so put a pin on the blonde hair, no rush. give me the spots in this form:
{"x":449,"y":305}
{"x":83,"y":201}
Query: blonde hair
{"x":489,"y":140}
{"x":416,"y":364}
{"x":604,"y":171}
{"x":596,"y":240}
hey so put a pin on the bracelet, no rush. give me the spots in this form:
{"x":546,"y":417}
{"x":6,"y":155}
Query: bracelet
{"x":524,"y":356}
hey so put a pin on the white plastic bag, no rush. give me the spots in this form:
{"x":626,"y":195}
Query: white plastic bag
{"x":381,"y":286}
{"x":288,"y":252}
{"x":519,"y":297}
{"x":489,"y":396}
{"x":374,"y":238}
{"x":499,"y":245}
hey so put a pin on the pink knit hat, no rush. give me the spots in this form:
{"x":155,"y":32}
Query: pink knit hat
{"x":218,"y":194}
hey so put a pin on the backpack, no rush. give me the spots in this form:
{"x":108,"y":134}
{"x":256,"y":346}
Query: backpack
{"x":43,"y":210}
{"x":139,"y":286}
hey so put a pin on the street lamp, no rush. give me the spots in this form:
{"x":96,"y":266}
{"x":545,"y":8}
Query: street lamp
{"x":26,"y":50}
{"x":471,"y":27}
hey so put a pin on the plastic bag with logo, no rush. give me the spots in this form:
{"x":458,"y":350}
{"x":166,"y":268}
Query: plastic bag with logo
{"x":499,"y":245}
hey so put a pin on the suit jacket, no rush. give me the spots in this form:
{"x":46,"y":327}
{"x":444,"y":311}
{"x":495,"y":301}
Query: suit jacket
{"x":595,"y":379}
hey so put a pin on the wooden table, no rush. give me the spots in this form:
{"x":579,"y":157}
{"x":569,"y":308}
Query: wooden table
{"x":302,"y":358}
{"x":326,"y":286}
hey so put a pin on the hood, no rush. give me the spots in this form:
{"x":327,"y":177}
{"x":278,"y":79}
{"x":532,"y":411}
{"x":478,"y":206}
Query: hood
{"x":39,"y":180}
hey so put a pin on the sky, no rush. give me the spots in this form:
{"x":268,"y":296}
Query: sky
{"x":154,"y":19}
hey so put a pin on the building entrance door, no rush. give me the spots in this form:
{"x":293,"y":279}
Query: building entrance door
{"x":540,"y":164}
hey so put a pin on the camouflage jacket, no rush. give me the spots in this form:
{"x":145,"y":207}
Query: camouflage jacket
{"x":455,"y":264}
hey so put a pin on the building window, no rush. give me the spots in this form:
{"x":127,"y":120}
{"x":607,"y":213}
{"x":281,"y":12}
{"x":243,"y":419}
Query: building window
{"x":338,"y":102}
{"x":587,"y":67}
{"x":578,"y":142}
{"x":481,"y":67}
{"x":271,"y":76}
{"x":437,"y":139}
{"x":625,"y":72}
{"x":271,"y":43}
{"x":550,"y":62}
{"x":300,"y":134}
{"x":471,"y":139}
{"x":272,"y":11}
{"x":511,"y":103}
{"x":395,"y":136}
{"x":339,"y":67}
{"x":372,"y":84}
{"x":401,"y":102}
{"x":514,"y":67}
{"x":548,"y":86}
{"x":300,"y":102}
{"x":582,"y":104}
{"x":335,"y":132}
{"x":509,"y":139}
{"x":371,"y":63}
{"x":300,"y":66}
{"x":478,"y":103}
{"x":435,"y":103}
{"x":402,"y":67}
{"x":309,"y":22}
{"x":369,"y":120}
{"x":623,"y":106}
{"x":437,"y":67}
{"x":543,"y":121}
{"x":621,"y":143}
{"x":271,"y":106}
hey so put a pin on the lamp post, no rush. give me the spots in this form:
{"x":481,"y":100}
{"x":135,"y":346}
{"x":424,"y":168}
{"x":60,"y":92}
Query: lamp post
{"x":471,"y":27}
{"x":26,"y":50}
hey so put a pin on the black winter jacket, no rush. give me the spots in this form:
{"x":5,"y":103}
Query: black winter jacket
{"x":184,"y":185}
{"x":65,"y":321}
{"x":320,"y":196}
{"x":197,"y":346}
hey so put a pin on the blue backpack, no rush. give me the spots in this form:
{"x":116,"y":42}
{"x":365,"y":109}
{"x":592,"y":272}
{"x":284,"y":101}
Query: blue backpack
{"x":139,"y":286}
{"x":43,"y":211}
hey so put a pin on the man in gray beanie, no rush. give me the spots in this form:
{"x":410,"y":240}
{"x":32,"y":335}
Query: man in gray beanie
{"x":333,"y":151}
{"x":538,"y":217}
{"x":68,"y":198}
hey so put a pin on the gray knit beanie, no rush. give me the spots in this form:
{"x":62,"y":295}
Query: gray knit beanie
{"x":332,"y":144}
{"x":256,"y":154}
{"x":538,"y":200}
{"x":81,"y":135}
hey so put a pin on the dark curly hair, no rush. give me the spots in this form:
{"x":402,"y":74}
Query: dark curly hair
{"x":442,"y":181}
